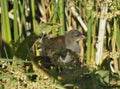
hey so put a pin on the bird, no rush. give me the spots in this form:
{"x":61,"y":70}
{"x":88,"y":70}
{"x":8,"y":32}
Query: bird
{"x":59,"y":55}
{"x":63,"y":50}
{"x":68,"y":41}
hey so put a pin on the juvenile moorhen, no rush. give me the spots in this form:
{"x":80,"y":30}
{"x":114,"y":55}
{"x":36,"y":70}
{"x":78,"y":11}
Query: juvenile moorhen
{"x":69,"y":41}
{"x":63,"y":50}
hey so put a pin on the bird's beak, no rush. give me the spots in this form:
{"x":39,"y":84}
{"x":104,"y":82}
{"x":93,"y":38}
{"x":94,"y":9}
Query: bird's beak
{"x":82,"y":37}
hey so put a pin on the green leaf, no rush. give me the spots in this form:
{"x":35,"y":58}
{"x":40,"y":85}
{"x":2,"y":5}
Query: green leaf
{"x":11,"y":60}
{"x":118,"y":82}
{"x":106,"y":79}
{"x":6,"y":76}
{"x":45,"y":28}
{"x":6,"y":33}
{"x":103,"y":73}
{"x":22,"y":49}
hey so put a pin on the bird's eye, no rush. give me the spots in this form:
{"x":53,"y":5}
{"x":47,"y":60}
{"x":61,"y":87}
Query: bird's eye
{"x":77,"y":35}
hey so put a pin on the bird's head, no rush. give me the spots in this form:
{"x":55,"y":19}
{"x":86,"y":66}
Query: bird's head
{"x":72,"y":39}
